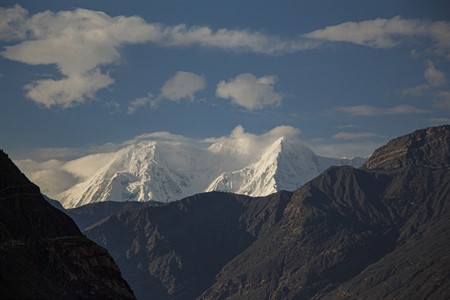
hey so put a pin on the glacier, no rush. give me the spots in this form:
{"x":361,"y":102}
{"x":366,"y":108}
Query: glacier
{"x":167,"y":171}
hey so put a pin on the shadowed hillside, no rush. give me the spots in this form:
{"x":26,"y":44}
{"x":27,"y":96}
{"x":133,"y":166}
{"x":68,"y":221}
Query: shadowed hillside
{"x":43,"y":255}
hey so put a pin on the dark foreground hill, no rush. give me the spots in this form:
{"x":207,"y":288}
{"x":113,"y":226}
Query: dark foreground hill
{"x":378,"y":232}
{"x":43,"y":255}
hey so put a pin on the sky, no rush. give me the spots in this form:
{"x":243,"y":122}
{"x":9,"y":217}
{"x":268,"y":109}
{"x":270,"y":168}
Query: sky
{"x":344,"y":77}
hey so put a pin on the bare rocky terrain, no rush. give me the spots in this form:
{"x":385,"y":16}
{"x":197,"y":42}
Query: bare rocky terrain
{"x":43,"y":254}
{"x":380,"y":231}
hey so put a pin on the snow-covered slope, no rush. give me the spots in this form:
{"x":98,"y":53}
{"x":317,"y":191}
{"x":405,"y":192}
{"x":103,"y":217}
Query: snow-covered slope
{"x":285,"y":165}
{"x":167,"y":171}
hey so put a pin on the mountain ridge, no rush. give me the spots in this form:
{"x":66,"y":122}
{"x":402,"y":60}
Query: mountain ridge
{"x":165,"y":171}
{"x":415,"y":148}
{"x":43,"y":254}
{"x":348,"y":233}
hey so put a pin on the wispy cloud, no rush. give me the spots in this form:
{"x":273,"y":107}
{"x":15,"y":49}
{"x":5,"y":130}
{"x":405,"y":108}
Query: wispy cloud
{"x":80,"y":41}
{"x":160,"y":136}
{"x":182,"y":86}
{"x":439,"y":120}
{"x":434,"y":78}
{"x":369,"y":110}
{"x":231,"y":39}
{"x":387,"y":33}
{"x":113,"y":106}
{"x":55,"y":176}
{"x":135,"y":104}
{"x":247,"y":143}
{"x":415,"y":90}
{"x":250,"y":92}
{"x":443,"y":100}
{"x":48,"y":175}
{"x":343,"y":135}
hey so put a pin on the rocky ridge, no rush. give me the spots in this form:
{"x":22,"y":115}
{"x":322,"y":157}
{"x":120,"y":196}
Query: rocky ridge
{"x":381,"y":231}
{"x":43,"y":254}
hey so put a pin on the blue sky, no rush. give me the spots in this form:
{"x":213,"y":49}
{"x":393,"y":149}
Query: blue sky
{"x":345,"y":76}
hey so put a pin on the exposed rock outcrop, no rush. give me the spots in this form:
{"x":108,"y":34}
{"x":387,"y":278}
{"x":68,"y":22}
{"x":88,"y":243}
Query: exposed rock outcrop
{"x":427,"y":147}
{"x":43,"y":254}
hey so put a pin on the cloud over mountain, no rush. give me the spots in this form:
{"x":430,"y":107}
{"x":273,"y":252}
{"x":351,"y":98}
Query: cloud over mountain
{"x":55,"y":176}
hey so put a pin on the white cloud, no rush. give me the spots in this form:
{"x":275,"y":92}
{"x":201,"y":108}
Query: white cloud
{"x":88,"y":165}
{"x":80,"y":41}
{"x":113,"y":106}
{"x":160,"y":136}
{"x":235,"y":40}
{"x":368,"y":110}
{"x":137,"y":103}
{"x":353,"y":135}
{"x":69,"y":91}
{"x":249,"y":143}
{"x":386,"y":33}
{"x":443,"y":101}
{"x":415,"y":90}
{"x":434,"y":76}
{"x":48,"y":175}
{"x":250,"y":92}
{"x":12,"y":22}
{"x":183,"y":85}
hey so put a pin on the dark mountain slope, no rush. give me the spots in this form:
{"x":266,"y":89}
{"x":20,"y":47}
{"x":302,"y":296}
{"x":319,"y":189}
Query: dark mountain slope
{"x":43,"y":255}
{"x":350,"y":225}
{"x":91,"y":213}
{"x":17,"y":196}
{"x":350,"y":232}
{"x":175,"y":251}
{"x":381,"y":231}
{"x":419,"y":265}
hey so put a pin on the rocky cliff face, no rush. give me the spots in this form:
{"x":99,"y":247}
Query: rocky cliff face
{"x":43,"y":255}
{"x":428,"y":147}
{"x":382,"y":231}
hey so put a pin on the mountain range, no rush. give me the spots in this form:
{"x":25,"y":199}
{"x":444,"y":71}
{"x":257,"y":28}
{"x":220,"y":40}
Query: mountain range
{"x":167,"y":171}
{"x":381,"y":231}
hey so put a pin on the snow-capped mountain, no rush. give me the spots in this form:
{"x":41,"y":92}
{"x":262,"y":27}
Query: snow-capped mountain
{"x":168,"y":171}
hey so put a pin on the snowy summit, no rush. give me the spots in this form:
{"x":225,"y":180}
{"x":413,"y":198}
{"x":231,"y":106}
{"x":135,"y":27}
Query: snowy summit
{"x":167,"y":171}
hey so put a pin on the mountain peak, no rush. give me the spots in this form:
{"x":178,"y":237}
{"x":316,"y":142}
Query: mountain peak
{"x":165,"y":171}
{"x":426,"y":147}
